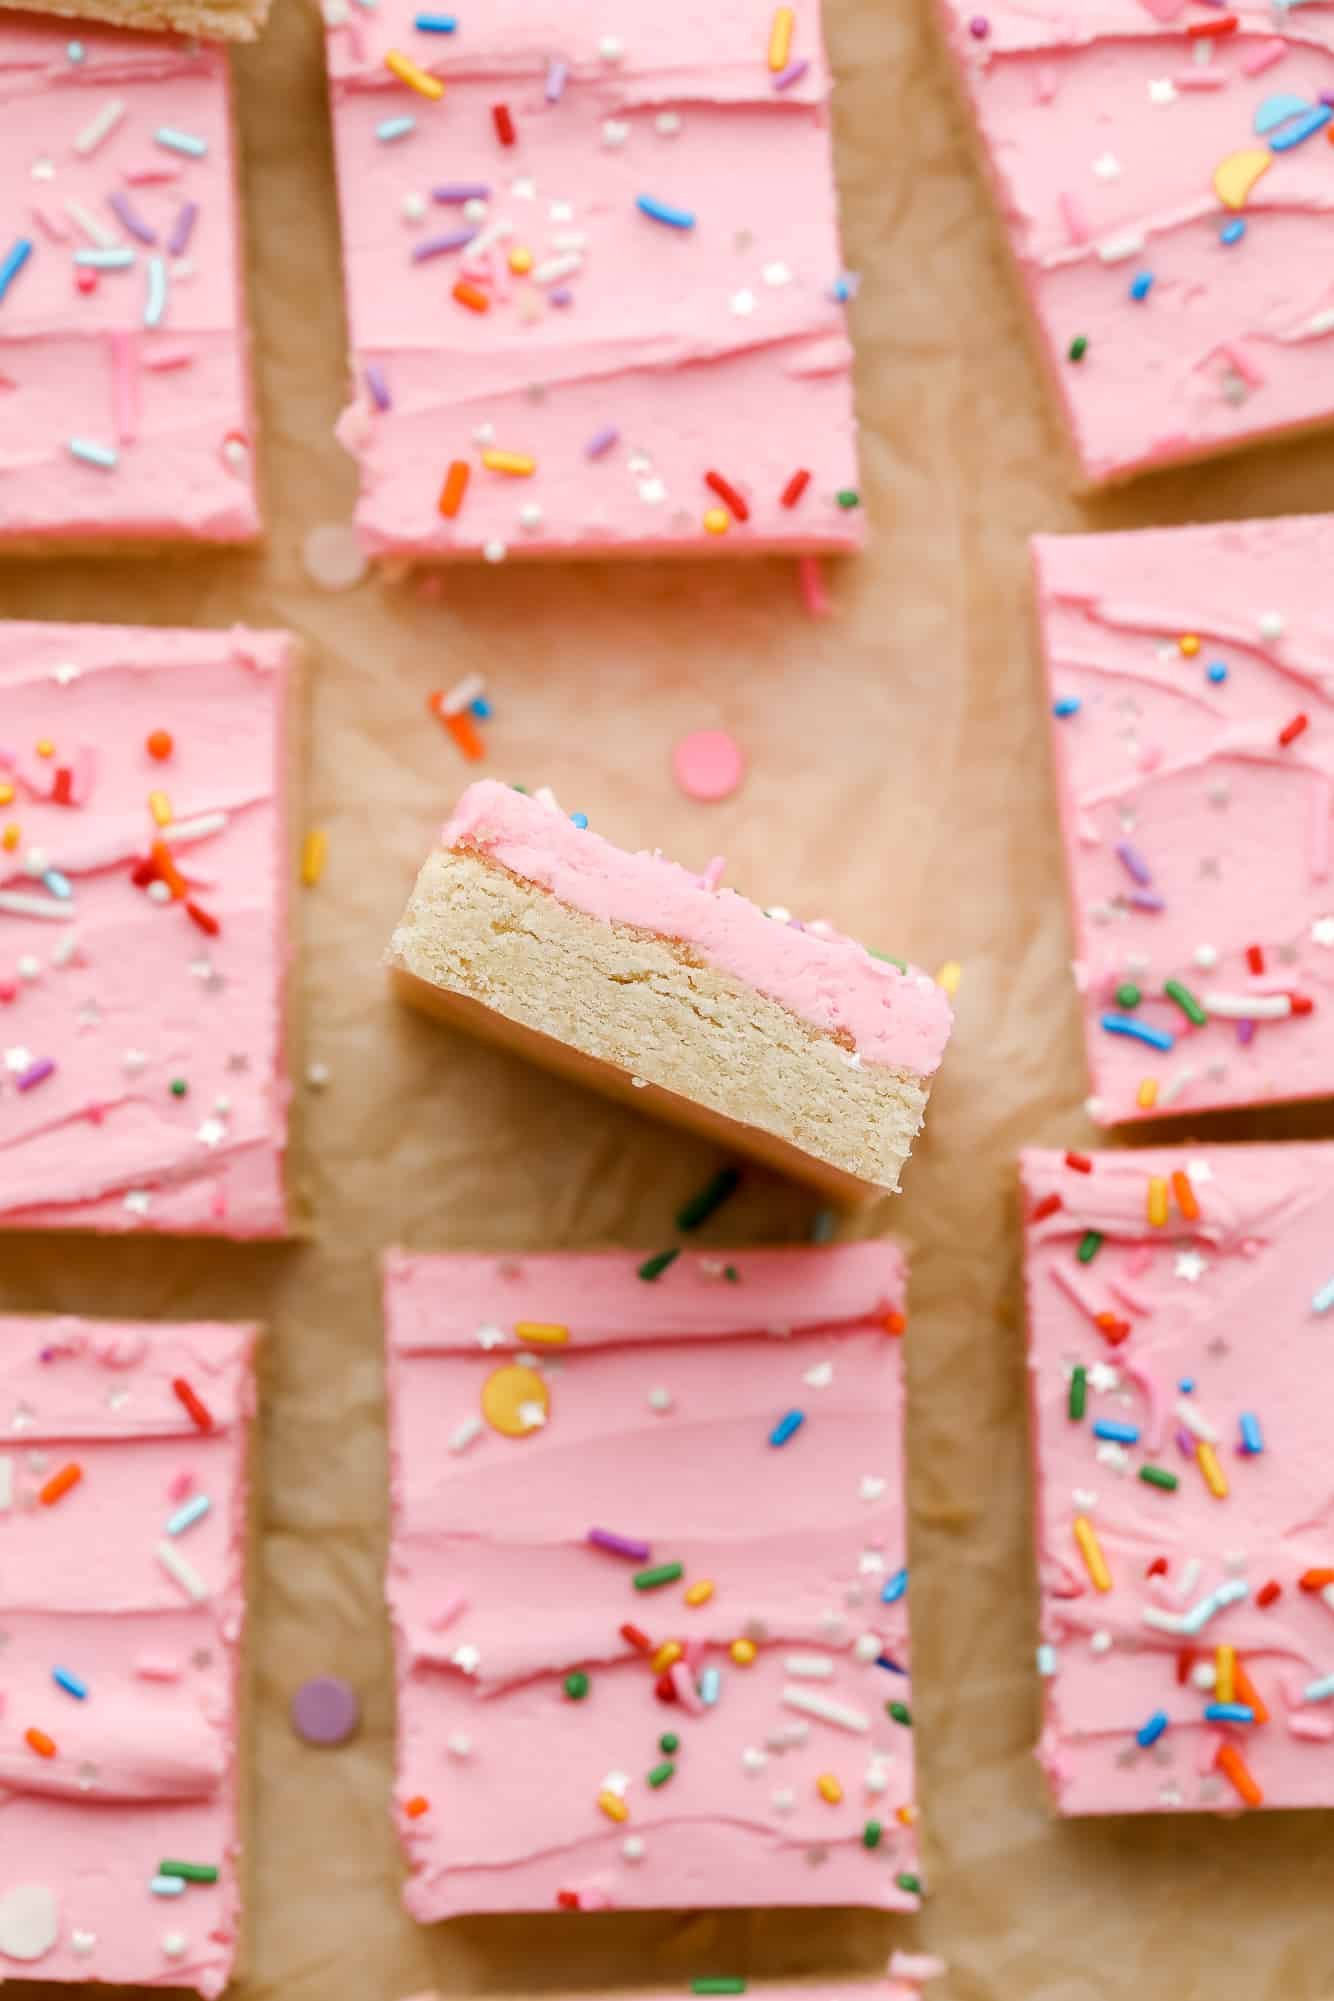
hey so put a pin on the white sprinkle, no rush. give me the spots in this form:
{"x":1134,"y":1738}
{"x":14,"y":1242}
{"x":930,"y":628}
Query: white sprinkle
{"x":668,"y":123}
{"x":15,"y":903}
{"x":317,"y":1075}
{"x":611,"y":49}
{"x":632,"y":1848}
{"x":552,"y":269}
{"x":6,"y":1484}
{"x":461,"y":1438}
{"x":414,"y":208}
{"x":494,"y":552}
{"x":810,"y":1667}
{"x":1116,"y":249}
{"x":175,"y":1945}
{"x":178,"y":1567}
{"x":615,"y":133}
{"x":95,"y":231}
{"x":783,"y":1799}
{"x":752,"y":1760}
{"x":1190,"y":1577}
{"x":1100,"y":1642}
{"x":660,"y":1399}
{"x":1048,"y":1661}
{"x":155,"y":296}
{"x":841,"y":1714}
{"x":743,"y":304}
{"x":1204,"y":1676}
{"x":1270,"y":625}
{"x":1162,"y":90}
{"x":1206,"y":957}
{"x":101,"y":127}
{"x":1198,"y":1425}
{"x":866,"y":1648}
{"x":459,"y":1745}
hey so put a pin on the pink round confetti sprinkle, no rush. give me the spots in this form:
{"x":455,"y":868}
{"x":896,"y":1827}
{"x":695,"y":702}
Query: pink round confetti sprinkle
{"x":708,"y":765}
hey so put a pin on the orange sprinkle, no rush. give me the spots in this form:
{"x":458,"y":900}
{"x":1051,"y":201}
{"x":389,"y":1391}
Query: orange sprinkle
{"x":464,"y":732}
{"x":1225,"y":1673}
{"x":416,"y":1806}
{"x":699,"y":1594}
{"x":716,"y":521}
{"x":742,"y":1652}
{"x":160,"y":745}
{"x":6,"y":792}
{"x":668,"y":1653}
{"x":45,"y":747}
{"x":1247,"y":1692}
{"x":1147,"y":1095}
{"x":829,"y":1788}
{"x":454,"y":488}
{"x":780,"y":39}
{"x":541,"y":1333}
{"x":1234,"y":1767}
{"x":906,"y":1815}
{"x":167,"y":870}
{"x":472,"y":296}
{"x":895,"y":1323}
{"x":1189,"y":644}
{"x":1315,"y":1580}
{"x":1157,"y":1205}
{"x":412,"y":74}
{"x":1185,"y":1194}
{"x":521,"y":260}
{"x":613,"y":1806}
{"x":314,"y":854}
{"x":59,"y":1484}
{"x":160,"y":807}
{"x":38,"y":1741}
{"x":10,"y":838}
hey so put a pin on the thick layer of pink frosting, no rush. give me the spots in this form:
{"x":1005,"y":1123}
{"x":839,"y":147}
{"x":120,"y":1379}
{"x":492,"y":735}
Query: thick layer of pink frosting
{"x":655,"y":1380}
{"x":125,"y":995}
{"x":1232,"y":826}
{"x":171,"y":399}
{"x":1223,"y":1302}
{"x":715,"y":348}
{"x":898,"y":1020}
{"x":1100,"y":181}
{"x":145,"y":1766}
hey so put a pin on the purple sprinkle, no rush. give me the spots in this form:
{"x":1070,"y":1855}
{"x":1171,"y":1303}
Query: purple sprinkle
{"x":792,"y":74}
{"x":556,"y":75}
{"x":1185,"y":1443}
{"x":1245,"y":1033}
{"x":378,"y":387}
{"x":437,"y":246}
{"x":620,"y":1545}
{"x":562,"y":296}
{"x":183,"y":228}
{"x":460,"y":191}
{"x":36,"y":1073}
{"x":1144,"y":899}
{"x":129,"y":217}
{"x":325,"y":1710}
{"x":1133,"y":862}
{"x":601,"y":441}
{"x":979,"y":27}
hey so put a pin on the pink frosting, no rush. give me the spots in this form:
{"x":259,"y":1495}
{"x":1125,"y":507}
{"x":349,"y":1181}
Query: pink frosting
{"x":145,"y":1766}
{"x":719,"y":348}
{"x":122,"y":994}
{"x":1104,"y":123}
{"x":1230,"y":1303}
{"x":171,"y":399}
{"x":1166,"y":773}
{"x":798,"y":1540}
{"x":899,"y":1020}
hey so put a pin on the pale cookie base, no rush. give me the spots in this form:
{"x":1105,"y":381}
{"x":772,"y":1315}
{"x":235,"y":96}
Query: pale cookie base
{"x":214,"y":20}
{"x":606,"y":1004}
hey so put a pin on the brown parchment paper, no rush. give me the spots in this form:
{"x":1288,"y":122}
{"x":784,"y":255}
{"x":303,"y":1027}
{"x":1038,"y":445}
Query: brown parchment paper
{"x":898,"y":783}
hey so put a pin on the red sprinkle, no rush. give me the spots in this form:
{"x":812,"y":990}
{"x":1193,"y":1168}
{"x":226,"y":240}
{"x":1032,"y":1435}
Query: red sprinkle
{"x":416,"y":1807}
{"x":59,"y":1485}
{"x":1158,"y":1568}
{"x":895,"y":1323}
{"x":728,"y":494}
{"x":1267,"y":1593}
{"x":1291,"y":731}
{"x":1184,"y":1661}
{"x":1080,"y":1163}
{"x":504,"y":124}
{"x":641,"y":1642}
{"x":567,"y":1900}
{"x":143,"y":875}
{"x":665,"y":1688}
{"x":1113,"y":1331}
{"x":62,"y":791}
{"x":199,"y":1411}
{"x":198,"y":915}
{"x":1255,"y":958}
{"x":1224,"y":24}
{"x":1046,"y":1207}
{"x":1302,"y":1003}
{"x":795,"y":487}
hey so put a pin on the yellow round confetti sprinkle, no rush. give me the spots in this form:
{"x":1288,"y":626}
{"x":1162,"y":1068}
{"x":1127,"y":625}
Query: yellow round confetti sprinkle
{"x":1189,"y":644}
{"x":45,"y":747}
{"x":515,"y":1401}
{"x":743,"y":1652}
{"x":715,"y":521}
{"x":521,"y":260}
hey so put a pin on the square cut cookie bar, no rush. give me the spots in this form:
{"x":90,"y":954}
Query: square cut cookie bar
{"x":1163,"y":179}
{"x":124,"y":366}
{"x":621,"y":1684}
{"x":1190,"y":673}
{"x":122,"y":1603}
{"x":786,"y":1041}
{"x":1186,"y":1556}
{"x":143,"y":922}
{"x":593,"y":278}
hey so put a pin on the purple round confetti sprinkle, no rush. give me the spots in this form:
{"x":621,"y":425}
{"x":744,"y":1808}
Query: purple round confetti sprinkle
{"x":438,"y":246}
{"x":1133,"y":862}
{"x":792,"y":74}
{"x":129,"y":218}
{"x":562,"y":296}
{"x":325,"y":1710}
{"x":36,"y":1073}
{"x":601,"y":441}
{"x":979,"y":27}
{"x":379,"y":388}
{"x":183,"y":229}
{"x":460,"y":191}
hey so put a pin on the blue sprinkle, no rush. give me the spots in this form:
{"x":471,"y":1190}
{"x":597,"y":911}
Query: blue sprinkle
{"x":167,"y":1886}
{"x":824,"y":1227}
{"x":58,"y":884}
{"x":1066,"y":705}
{"x":1274,"y":111}
{"x":74,"y":52}
{"x":70,"y":1683}
{"x":116,"y":258}
{"x":785,"y":1427}
{"x":1141,"y":285}
{"x":888,"y":1661}
{"x":482,"y":709}
{"x":435,"y":24}
{"x":1149,"y":1733}
{"x":1186,"y":1385}
{"x":894,"y":1587}
{"x":395,"y":128}
{"x":1252,"y":1439}
{"x":1232,"y":232}
{"x":1138,"y":1031}
{"x":188,"y":1514}
{"x":181,"y":142}
{"x":1216,"y":671}
{"x":710,"y":1685}
{"x":660,"y":211}
{"x":1228,"y":1712}
{"x":1315,"y":120}
{"x":93,"y":454}
{"x":579,"y":819}
{"x":13,"y":262}
{"x":1120,"y":1434}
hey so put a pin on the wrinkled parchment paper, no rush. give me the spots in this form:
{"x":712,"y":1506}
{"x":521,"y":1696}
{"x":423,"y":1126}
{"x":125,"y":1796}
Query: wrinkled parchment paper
{"x":898,"y":783}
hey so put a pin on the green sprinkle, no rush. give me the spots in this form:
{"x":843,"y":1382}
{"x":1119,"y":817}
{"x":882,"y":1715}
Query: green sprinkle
{"x":871,"y":1834}
{"x":179,"y":1087}
{"x":1079,"y":1383}
{"x":1079,"y":347}
{"x":890,"y":960}
{"x":1158,"y":1476}
{"x":657,"y":1575}
{"x":576,"y":1685}
{"x":847,"y":498}
{"x":669,"y":1742}
{"x":912,"y":1884}
{"x":1128,"y":994}
{"x":700,"y":1207}
{"x":189,"y":1872}
{"x":900,"y":1712}
{"x":1089,"y":1246}
{"x":1186,"y":1001}
{"x":661,"y":1773}
{"x":731,"y":1274}
{"x":654,"y":1267}
{"x":727,"y":1983}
